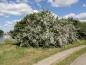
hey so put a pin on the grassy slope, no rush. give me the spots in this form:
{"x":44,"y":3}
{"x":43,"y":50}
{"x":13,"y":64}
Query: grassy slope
{"x":11,"y":55}
{"x":71,"y":58}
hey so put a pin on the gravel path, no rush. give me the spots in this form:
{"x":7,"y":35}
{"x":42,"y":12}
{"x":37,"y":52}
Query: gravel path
{"x":81,"y":60}
{"x":59,"y":56}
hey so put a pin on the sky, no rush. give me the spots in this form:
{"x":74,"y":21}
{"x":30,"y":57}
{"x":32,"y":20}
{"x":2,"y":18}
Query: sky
{"x":12,"y":11}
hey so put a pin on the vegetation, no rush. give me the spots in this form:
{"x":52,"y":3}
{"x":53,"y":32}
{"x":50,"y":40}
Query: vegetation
{"x":1,"y":32}
{"x":44,"y":30}
{"x":82,"y":30}
{"x":71,"y":58}
{"x":13,"y":55}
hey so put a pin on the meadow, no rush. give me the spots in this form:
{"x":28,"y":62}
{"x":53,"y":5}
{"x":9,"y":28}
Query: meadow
{"x":11,"y":54}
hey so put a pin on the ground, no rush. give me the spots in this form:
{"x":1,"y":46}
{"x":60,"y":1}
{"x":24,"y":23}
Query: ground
{"x":81,"y":60}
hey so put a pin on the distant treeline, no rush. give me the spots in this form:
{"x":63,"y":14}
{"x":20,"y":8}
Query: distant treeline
{"x":1,"y":32}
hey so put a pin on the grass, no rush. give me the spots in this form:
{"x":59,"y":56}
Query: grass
{"x":12,"y":55}
{"x":71,"y":58}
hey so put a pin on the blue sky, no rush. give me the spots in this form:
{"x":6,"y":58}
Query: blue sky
{"x":12,"y":11}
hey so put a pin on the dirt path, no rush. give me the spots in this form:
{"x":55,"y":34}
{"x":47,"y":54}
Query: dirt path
{"x":81,"y":60}
{"x":59,"y":56}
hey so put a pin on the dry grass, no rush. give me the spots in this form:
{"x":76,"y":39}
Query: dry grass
{"x":11,"y":55}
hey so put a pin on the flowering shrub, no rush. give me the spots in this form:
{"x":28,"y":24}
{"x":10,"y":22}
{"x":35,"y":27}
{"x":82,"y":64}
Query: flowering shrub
{"x":43,"y":30}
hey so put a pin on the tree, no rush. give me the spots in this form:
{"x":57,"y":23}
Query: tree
{"x":43,"y":30}
{"x":82,"y":30}
{"x":1,"y":32}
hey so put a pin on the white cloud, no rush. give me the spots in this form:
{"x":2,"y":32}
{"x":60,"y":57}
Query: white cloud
{"x":15,"y":9}
{"x":80,"y":16}
{"x":62,"y":3}
{"x":55,"y":15}
{"x":70,"y":15}
{"x":35,"y":11}
{"x":84,"y":5}
{"x":9,"y":25}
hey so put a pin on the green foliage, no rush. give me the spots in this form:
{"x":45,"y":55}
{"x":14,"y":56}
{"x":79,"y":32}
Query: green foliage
{"x":1,"y":32}
{"x":82,"y":30}
{"x":44,"y":30}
